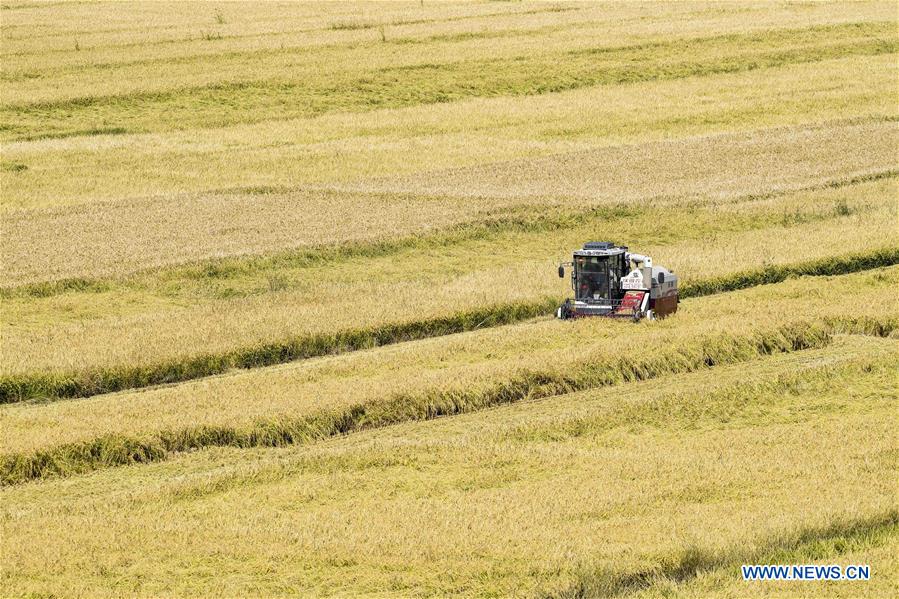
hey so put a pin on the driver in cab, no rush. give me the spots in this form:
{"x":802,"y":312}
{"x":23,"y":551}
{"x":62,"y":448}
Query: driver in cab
{"x":592,"y":282}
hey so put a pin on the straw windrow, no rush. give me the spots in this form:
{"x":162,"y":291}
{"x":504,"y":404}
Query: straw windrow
{"x":117,"y":450}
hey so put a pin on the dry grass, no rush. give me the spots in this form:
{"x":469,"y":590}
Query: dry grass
{"x":512,"y":501}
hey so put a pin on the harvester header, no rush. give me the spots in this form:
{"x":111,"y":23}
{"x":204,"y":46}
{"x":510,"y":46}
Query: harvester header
{"x":610,"y":281}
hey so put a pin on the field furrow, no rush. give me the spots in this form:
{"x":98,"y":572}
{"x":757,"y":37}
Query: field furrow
{"x":169,"y":326}
{"x":514,"y":220}
{"x":87,"y":382}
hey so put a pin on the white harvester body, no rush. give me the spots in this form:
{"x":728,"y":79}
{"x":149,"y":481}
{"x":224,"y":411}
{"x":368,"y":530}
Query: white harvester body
{"x":610,"y":281}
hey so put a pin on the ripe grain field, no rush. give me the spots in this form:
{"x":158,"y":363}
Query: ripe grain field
{"x":278,"y":281}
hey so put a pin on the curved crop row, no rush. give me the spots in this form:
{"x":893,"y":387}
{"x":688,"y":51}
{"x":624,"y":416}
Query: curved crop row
{"x":22,"y":387}
{"x":116,"y":450}
{"x":84,"y":384}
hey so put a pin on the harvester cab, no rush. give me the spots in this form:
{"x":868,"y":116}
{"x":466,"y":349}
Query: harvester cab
{"x":610,"y":281}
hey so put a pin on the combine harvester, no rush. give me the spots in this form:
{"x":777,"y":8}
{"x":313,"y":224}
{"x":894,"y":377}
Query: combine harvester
{"x":610,"y":281}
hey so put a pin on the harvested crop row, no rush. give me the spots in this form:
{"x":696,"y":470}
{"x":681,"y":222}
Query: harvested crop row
{"x":535,"y":495}
{"x":338,"y":147}
{"x":276,"y":294}
{"x":215,"y":312}
{"x":307,"y":401}
{"x":21,"y":387}
{"x":118,"y":450}
{"x":349,"y":45}
{"x":149,"y":37}
{"x":307,"y":91}
{"x":523,"y":219}
{"x":123,"y":237}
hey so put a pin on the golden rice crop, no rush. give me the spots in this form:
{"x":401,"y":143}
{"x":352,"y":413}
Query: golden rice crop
{"x":346,"y":38}
{"x":301,"y":89}
{"x":584,"y":491}
{"x":715,"y":167}
{"x":287,"y":213}
{"x":204,"y":54}
{"x":714,"y":329}
{"x":121,"y":237}
{"x":338,"y":147}
{"x":169,"y":30}
{"x":72,"y":332}
{"x":871,"y":541}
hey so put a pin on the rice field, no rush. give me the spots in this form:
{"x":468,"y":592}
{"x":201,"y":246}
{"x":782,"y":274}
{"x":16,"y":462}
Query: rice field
{"x":538,"y":497}
{"x":278,"y":281}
